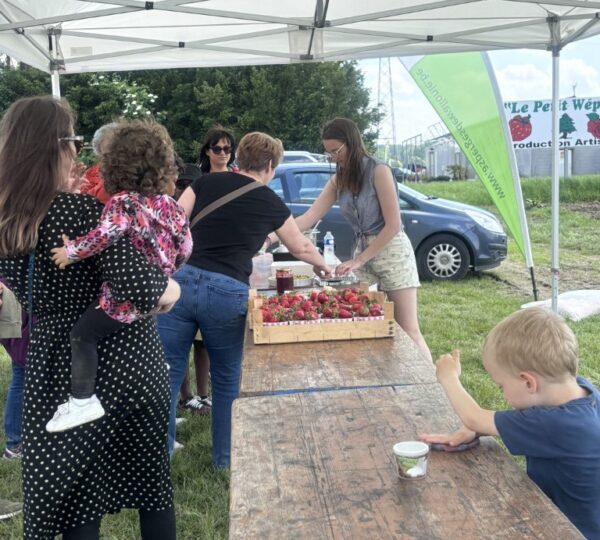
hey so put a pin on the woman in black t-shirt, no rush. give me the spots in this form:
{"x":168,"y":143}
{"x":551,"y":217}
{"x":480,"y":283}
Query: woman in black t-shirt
{"x":217,"y":154}
{"x":214,"y":282}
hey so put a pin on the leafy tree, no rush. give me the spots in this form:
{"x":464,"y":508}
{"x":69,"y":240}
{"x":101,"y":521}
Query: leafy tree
{"x":16,"y":83}
{"x":566,"y":126}
{"x":291,"y":102}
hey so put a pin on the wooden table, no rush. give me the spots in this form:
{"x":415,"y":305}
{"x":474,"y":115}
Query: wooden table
{"x":322,"y":365}
{"x":320,"y":465}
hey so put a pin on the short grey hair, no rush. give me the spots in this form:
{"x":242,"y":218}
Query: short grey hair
{"x":102,"y":132}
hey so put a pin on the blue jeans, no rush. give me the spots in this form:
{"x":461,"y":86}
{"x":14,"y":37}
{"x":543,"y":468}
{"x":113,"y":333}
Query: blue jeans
{"x":13,"y":413}
{"x":216,"y":305}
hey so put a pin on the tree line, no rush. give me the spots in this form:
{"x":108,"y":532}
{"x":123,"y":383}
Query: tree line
{"x":290,"y":102}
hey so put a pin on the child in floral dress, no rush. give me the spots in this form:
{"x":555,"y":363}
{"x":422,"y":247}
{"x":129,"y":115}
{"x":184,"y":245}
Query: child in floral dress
{"x":139,"y":174}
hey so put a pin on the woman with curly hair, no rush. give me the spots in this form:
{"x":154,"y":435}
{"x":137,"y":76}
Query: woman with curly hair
{"x":139,"y":173}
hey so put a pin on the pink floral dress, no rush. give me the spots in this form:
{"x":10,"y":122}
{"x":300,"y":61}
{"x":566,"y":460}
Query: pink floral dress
{"x":156,"y":225}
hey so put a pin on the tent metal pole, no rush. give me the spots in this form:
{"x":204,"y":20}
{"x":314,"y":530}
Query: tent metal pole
{"x":55,"y":84}
{"x":554,"y":266}
{"x":53,"y":50}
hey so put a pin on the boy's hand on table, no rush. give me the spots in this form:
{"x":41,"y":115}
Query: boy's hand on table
{"x":448,"y":365}
{"x":460,"y":436}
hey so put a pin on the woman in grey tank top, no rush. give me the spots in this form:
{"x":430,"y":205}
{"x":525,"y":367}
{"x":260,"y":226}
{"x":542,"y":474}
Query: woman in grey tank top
{"x":367,"y":195}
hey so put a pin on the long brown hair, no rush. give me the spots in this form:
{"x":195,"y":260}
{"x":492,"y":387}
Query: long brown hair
{"x":348,"y":177}
{"x":31,"y":156}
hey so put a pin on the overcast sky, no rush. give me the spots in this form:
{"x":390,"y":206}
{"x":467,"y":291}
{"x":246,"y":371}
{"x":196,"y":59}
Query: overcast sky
{"x":522,"y":75}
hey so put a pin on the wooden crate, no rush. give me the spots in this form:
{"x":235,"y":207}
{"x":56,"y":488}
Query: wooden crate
{"x":321,"y":331}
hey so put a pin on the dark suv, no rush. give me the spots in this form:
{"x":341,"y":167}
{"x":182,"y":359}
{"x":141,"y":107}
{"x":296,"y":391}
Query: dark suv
{"x":448,"y":237}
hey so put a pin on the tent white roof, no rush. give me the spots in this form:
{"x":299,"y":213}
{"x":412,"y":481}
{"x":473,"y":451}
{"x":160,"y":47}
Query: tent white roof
{"x":103,"y":35}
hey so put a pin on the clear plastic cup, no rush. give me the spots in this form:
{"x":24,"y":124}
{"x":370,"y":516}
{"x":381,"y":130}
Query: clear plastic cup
{"x":411,"y":459}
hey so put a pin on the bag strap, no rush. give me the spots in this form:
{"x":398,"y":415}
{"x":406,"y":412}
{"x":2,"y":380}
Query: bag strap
{"x":224,"y":200}
{"x":30,"y":272}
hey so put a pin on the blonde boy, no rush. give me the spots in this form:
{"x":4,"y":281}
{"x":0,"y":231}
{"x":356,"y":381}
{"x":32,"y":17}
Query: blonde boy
{"x":532,"y":356}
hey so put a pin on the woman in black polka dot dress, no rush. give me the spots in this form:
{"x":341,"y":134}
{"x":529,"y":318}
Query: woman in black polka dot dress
{"x":71,"y":479}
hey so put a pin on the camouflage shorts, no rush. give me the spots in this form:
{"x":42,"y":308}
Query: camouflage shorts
{"x":393,"y":268}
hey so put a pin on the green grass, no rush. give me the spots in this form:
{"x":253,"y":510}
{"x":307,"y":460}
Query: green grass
{"x":451,"y":314}
{"x":535,"y":190}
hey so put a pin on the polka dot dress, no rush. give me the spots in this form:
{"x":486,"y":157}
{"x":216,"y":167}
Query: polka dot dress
{"x":121,"y":460}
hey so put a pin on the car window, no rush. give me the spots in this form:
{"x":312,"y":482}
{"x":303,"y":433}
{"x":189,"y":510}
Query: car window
{"x":310,"y":185}
{"x":276,"y":186}
{"x":404,"y":205}
{"x":296,"y":158}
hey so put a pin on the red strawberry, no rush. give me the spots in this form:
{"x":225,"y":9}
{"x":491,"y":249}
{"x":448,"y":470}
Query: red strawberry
{"x":299,"y":315}
{"x":375,"y":312}
{"x":328,"y":313}
{"x":520,"y":127}
{"x":345,"y":314}
{"x":593,"y":125}
{"x":363,"y":311}
{"x":307,"y":305}
{"x":323,"y":297}
{"x":314,"y":295}
{"x":357,"y":306}
{"x":311,"y":316}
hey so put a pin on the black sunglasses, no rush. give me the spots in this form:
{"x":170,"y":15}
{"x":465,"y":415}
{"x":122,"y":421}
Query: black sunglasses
{"x":77,"y":140}
{"x":218,"y":149}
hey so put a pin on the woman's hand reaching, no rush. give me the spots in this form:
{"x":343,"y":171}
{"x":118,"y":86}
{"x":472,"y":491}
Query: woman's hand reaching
{"x":323,"y":272}
{"x":347,"y":267}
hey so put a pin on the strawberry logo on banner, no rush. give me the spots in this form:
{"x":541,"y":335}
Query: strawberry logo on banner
{"x":520,"y":127}
{"x":593,"y":126}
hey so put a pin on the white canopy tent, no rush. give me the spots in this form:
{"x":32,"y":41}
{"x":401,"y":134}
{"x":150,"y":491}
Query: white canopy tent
{"x":74,"y":36}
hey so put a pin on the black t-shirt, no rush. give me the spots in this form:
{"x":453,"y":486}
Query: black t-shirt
{"x":226,"y":239}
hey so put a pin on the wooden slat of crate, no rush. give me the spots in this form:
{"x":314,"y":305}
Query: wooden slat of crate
{"x":334,"y":364}
{"x":323,"y":331}
{"x":320,"y":466}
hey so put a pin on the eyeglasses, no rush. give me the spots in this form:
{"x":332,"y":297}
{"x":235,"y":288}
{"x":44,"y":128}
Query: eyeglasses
{"x":218,"y":149}
{"x":335,"y":153}
{"x":77,"y":141}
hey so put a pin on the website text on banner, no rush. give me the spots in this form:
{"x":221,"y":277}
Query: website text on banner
{"x":461,"y":88}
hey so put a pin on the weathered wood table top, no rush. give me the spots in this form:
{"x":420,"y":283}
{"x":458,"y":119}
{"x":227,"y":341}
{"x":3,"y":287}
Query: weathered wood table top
{"x":320,"y":365}
{"x":320,"y":465}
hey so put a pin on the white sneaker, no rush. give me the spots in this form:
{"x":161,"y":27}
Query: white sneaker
{"x":179,"y":421}
{"x":177,"y":446}
{"x":69,"y":414}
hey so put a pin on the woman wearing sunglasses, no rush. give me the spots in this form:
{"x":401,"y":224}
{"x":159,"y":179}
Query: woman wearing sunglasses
{"x":367,"y":194}
{"x":218,"y":151}
{"x":71,"y":479}
{"x":217,"y":154}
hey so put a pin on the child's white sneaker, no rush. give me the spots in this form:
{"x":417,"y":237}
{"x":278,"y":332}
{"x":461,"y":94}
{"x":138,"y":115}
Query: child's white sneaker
{"x":75,"y":412}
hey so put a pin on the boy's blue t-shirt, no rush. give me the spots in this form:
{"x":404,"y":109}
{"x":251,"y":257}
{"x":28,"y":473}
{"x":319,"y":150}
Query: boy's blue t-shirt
{"x":562,"y":447}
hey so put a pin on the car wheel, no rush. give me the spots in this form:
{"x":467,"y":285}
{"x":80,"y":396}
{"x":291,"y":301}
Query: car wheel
{"x":443,"y":257}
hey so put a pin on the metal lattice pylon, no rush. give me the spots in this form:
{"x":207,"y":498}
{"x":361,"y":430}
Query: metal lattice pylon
{"x":385,"y":99}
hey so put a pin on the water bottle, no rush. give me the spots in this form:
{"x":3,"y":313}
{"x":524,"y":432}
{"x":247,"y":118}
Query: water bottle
{"x":329,"y":249}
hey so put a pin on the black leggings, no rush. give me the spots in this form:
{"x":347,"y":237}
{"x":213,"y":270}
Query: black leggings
{"x":91,"y":327}
{"x":154,"y":525}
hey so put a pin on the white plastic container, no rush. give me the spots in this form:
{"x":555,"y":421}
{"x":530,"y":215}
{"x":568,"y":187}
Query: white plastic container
{"x":261,"y":270}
